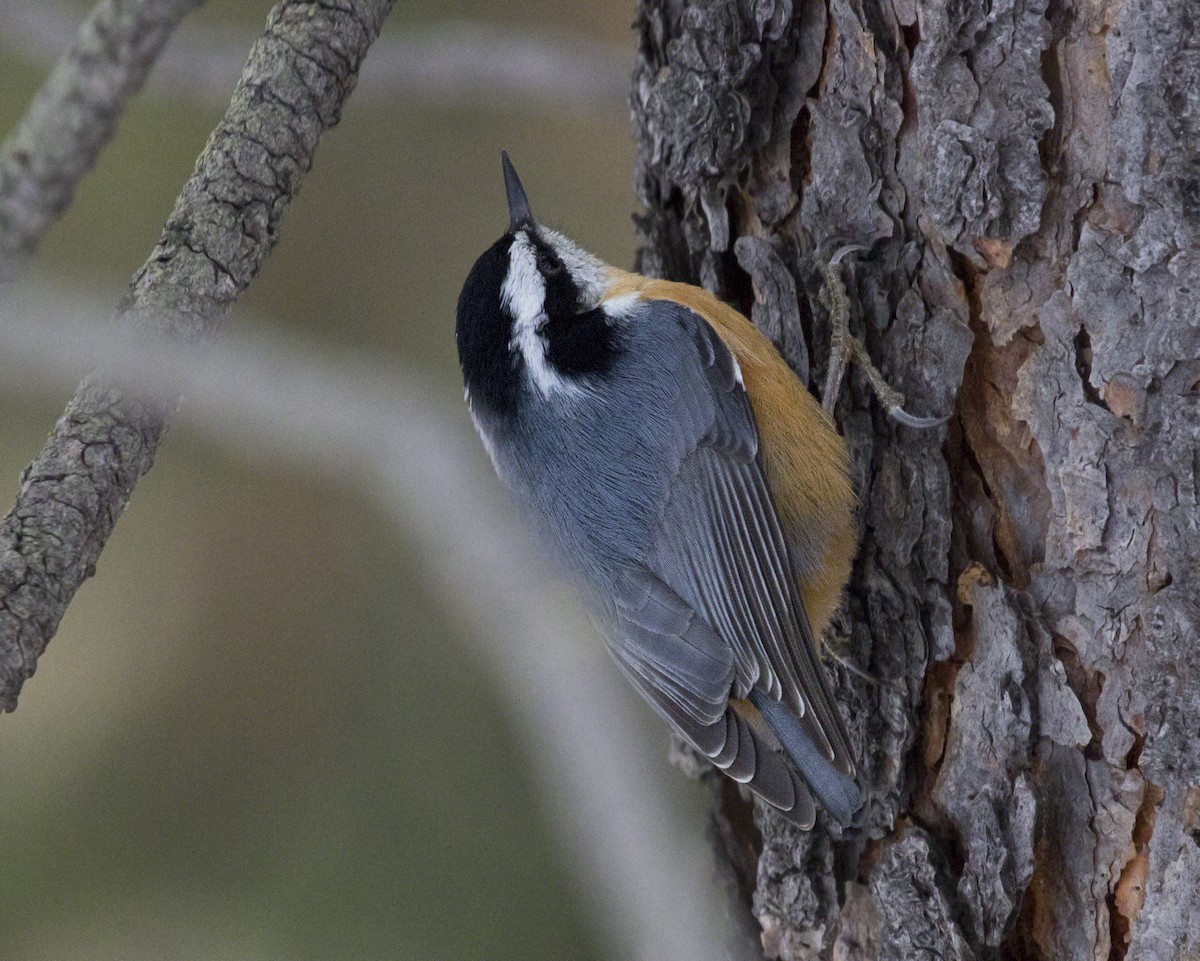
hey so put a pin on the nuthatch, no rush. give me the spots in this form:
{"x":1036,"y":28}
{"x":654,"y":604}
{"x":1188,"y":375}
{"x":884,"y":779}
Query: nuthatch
{"x":692,"y":485}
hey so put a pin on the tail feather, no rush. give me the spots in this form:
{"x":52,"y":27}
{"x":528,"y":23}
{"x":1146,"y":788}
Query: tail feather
{"x":837,"y":792}
{"x":744,"y":753}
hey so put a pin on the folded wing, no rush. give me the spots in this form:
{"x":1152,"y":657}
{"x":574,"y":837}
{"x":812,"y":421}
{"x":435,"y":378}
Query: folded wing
{"x":717,"y":613}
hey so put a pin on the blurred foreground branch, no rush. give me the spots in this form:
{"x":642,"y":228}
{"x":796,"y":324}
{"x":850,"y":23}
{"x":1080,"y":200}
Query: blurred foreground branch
{"x":75,"y":114}
{"x":353,"y":419}
{"x":446,"y":62}
{"x":224,"y":224}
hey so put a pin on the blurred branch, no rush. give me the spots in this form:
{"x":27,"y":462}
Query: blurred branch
{"x":355,"y":419}
{"x":461,"y":62}
{"x":451,"y":62}
{"x":224,"y":224}
{"x":75,"y":114}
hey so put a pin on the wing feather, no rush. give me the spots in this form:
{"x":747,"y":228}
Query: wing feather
{"x":652,"y":652}
{"x":721,"y":545}
{"x":717,"y":611}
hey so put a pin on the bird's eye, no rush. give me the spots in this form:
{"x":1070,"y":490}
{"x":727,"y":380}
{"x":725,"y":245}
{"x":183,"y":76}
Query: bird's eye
{"x":549,"y":266}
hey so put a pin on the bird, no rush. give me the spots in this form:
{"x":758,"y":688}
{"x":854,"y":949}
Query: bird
{"x":690,"y":484}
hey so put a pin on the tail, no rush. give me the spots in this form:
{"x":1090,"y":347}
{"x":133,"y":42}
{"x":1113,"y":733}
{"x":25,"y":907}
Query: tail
{"x":837,"y":792}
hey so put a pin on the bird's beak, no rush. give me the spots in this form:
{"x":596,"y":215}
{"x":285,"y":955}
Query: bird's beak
{"x":518,"y":204}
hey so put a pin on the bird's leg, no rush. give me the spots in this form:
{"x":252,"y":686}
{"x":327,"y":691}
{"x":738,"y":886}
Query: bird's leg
{"x":841,"y":343}
{"x":845,"y":348}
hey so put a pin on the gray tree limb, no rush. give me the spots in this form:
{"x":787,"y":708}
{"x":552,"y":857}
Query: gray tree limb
{"x":225,"y":223}
{"x":1023,"y":176}
{"x":75,"y":114}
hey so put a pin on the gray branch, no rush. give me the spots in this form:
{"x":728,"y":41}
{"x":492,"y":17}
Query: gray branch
{"x":75,"y":114}
{"x":225,"y":223}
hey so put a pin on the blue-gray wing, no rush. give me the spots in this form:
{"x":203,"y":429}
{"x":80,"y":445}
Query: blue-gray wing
{"x":717,"y":612}
{"x":686,"y":671}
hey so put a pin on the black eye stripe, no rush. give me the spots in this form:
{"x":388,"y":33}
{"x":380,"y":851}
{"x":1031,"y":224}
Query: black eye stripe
{"x":555,"y":326}
{"x":562,"y":296}
{"x":548,"y":263}
{"x":581,"y":343}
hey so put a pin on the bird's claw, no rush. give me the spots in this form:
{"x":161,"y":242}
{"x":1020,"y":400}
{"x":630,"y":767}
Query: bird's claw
{"x":845,"y":349}
{"x":900,"y":415}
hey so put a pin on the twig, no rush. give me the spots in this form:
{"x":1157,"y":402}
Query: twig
{"x":224,"y":224}
{"x":75,"y":114}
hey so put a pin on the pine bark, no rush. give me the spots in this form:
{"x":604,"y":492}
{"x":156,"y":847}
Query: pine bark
{"x":1024,"y":176}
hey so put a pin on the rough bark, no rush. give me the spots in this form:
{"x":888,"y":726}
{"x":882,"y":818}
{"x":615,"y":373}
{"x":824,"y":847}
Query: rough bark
{"x":1024,"y":176}
{"x":225,"y":223}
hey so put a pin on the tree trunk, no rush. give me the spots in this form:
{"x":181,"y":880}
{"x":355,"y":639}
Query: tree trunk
{"x":1024,"y":178}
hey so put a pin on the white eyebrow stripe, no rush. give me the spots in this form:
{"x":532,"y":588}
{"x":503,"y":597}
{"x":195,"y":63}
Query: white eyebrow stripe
{"x":524,"y":296}
{"x":588,"y":272}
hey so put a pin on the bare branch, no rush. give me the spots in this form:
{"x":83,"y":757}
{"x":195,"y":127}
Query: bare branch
{"x":448,"y":62}
{"x":224,"y":224}
{"x":75,"y":114}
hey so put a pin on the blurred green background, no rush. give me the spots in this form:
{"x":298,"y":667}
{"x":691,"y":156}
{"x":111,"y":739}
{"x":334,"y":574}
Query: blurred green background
{"x":256,"y":734}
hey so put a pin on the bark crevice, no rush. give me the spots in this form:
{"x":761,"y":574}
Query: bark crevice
{"x":1025,"y":588}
